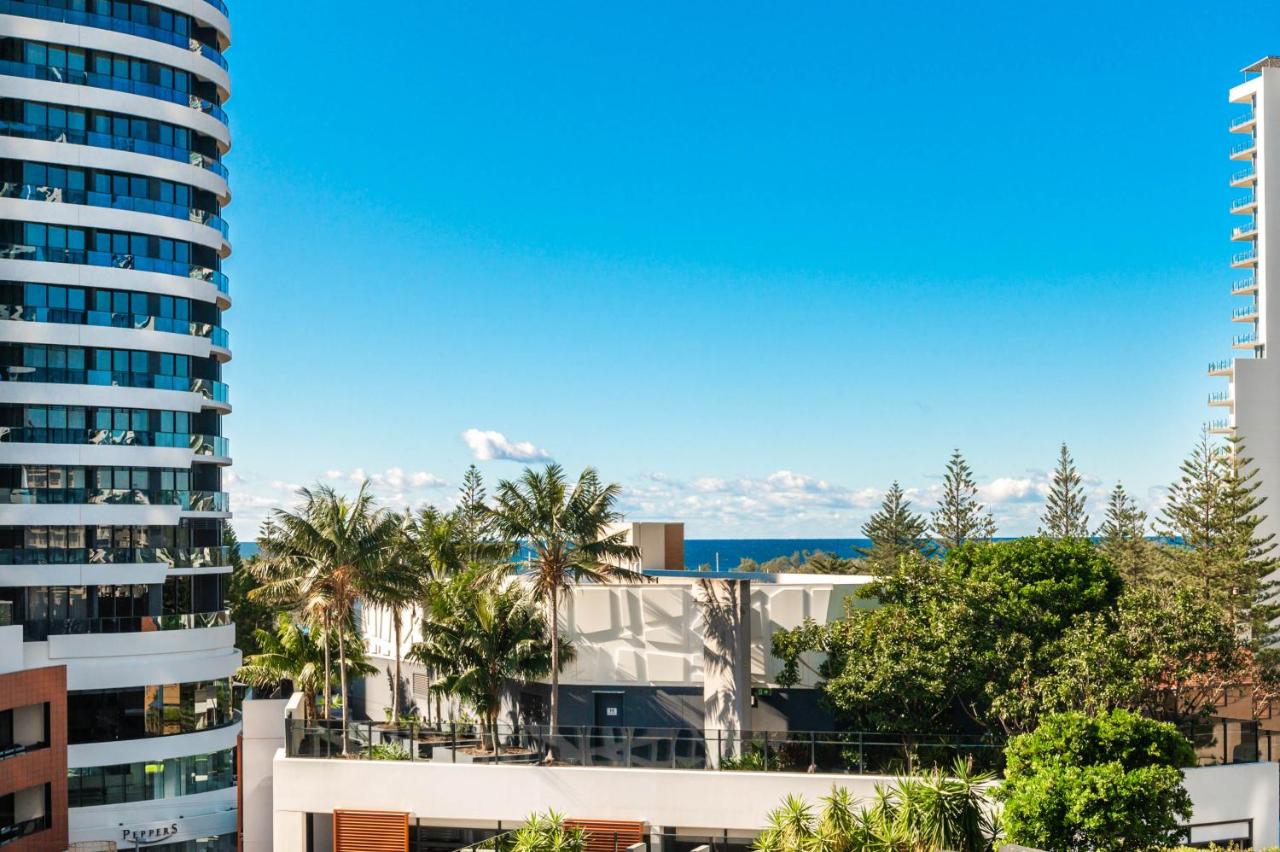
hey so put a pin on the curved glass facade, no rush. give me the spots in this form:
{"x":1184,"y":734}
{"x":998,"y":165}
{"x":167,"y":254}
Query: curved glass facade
{"x":141,"y":782}
{"x":138,"y":712}
{"x":112,"y":296}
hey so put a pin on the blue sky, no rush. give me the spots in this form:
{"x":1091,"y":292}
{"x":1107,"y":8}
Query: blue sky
{"x":753,"y":260}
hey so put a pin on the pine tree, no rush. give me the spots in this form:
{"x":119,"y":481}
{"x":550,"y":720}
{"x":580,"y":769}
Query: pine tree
{"x":1122,"y":537}
{"x":960,"y":517}
{"x":1213,"y":518}
{"x":472,"y":513}
{"x":894,"y":530}
{"x":1064,"y":515}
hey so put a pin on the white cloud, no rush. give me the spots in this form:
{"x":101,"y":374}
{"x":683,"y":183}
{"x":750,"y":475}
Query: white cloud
{"x":494,"y":446}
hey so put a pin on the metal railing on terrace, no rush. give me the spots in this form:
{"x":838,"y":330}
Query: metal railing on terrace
{"x":1244,"y":311}
{"x":1242,"y":202}
{"x":18,"y":830}
{"x":1244,"y":256}
{"x":1220,"y":366}
{"x":1241,"y":147}
{"x":1245,"y":339}
{"x":1243,"y":119}
{"x":1246,"y":228}
{"x":1244,"y":285}
{"x":1243,"y":174}
{"x":614,"y":841}
{"x":1219,"y":396}
{"x":832,"y":752}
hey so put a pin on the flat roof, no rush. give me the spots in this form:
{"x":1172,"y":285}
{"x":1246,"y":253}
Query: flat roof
{"x":1264,"y":62}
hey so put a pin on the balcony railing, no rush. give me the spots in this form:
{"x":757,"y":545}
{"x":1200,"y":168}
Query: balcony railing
{"x":1243,"y":202}
{"x":208,"y":388}
{"x":26,"y":828}
{"x":1250,"y":339}
{"x":1245,"y":311}
{"x":112,"y":319}
{"x":834,"y":752}
{"x":186,"y":501}
{"x":1242,"y":147}
{"x":1220,"y":426}
{"x":1246,"y":230}
{"x":94,"y":80}
{"x":1241,"y":120}
{"x":1243,"y":175}
{"x":1219,"y":398}
{"x":1245,"y":256}
{"x":1244,"y":285}
{"x":39,"y":631}
{"x":1223,"y":366}
{"x":109,"y":22}
{"x":88,"y":198}
{"x":174,"y":557}
{"x":141,"y":263}
{"x":80,"y":136}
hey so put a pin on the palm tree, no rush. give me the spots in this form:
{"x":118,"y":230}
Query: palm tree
{"x":922,"y":813}
{"x":397,"y":583}
{"x":292,"y":653}
{"x":567,"y":533}
{"x":329,"y":552}
{"x":481,"y":639}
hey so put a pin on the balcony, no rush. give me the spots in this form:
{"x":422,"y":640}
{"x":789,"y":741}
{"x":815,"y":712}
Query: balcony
{"x":1244,"y":150}
{"x":1245,"y":313}
{"x":1221,"y":368}
{"x":815,"y":752}
{"x":1244,"y":286}
{"x":1245,"y":177}
{"x":1247,"y":231}
{"x":1221,"y":427}
{"x":1245,"y":341}
{"x":1220,"y":399}
{"x":1243,"y":259}
{"x":1244,"y":123}
{"x":1245,"y":204}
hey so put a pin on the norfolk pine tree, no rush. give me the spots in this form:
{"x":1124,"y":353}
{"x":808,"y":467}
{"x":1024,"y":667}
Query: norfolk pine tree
{"x":1064,"y":515}
{"x":894,"y":530}
{"x":960,"y":517}
{"x":1122,"y":537}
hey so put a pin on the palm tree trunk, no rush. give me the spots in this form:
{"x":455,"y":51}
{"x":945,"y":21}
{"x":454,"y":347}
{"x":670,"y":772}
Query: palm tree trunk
{"x":395,"y":687}
{"x":328,"y":685}
{"x":555,"y":659}
{"x":342,"y":677}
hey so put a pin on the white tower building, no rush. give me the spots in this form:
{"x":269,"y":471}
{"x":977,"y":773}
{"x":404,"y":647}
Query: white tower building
{"x":112,"y":454}
{"x":1252,"y":397}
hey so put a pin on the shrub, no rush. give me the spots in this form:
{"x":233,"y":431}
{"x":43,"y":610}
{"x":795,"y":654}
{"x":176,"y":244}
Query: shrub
{"x":1109,"y":782}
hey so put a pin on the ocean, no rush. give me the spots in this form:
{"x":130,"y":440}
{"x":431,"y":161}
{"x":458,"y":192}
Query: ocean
{"x":731,"y":551}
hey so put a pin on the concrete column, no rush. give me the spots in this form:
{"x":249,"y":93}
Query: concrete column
{"x":725,"y":607}
{"x":289,"y":831}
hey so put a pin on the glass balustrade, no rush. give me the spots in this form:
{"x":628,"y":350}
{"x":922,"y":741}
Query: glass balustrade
{"x":48,"y":133}
{"x":140,"y":263}
{"x":1246,"y":228}
{"x":88,"y":198}
{"x":201,"y":445}
{"x":1244,"y":256}
{"x":174,"y":557}
{"x":1243,"y":174}
{"x":1244,"y":285}
{"x":109,"y":22}
{"x":1245,"y":311}
{"x":1219,"y":396}
{"x":112,"y":319}
{"x":1241,"y":120}
{"x":1243,"y":202}
{"x":1245,"y":339}
{"x":1220,"y":366}
{"x":186,"y":501}
{"x":95,"y":80}
{"x":208,"y":388}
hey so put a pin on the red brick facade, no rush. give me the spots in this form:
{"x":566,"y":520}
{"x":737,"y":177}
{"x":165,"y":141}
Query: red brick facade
{"x":45,"y":765}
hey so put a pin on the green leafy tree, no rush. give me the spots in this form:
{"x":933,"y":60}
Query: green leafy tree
{"x":895,"y":532}
{"x":1159,"y":653}
{"x":1064,"y":511}
{"x":250,"y":614}
{"x":570,"y":533}
{"x":482,"y":639}
{"x":960,"y":518}
{"x":1106,"y":783}
{"x":1122,"y":537}
{"x":954,"y":645}
{"x":934,"y":811}
{"x":293,"y":653}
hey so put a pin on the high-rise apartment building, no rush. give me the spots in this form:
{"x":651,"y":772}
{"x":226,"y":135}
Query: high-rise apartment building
{"x":112,"y":455}
{"x":1252,"y":396}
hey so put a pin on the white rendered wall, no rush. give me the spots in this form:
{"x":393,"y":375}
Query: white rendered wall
{"x":1233,"y":794}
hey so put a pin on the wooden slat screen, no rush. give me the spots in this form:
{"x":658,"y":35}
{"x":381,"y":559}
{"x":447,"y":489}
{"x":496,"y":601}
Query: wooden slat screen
{"x":605,"y":835}
{"x":370,"y":831}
